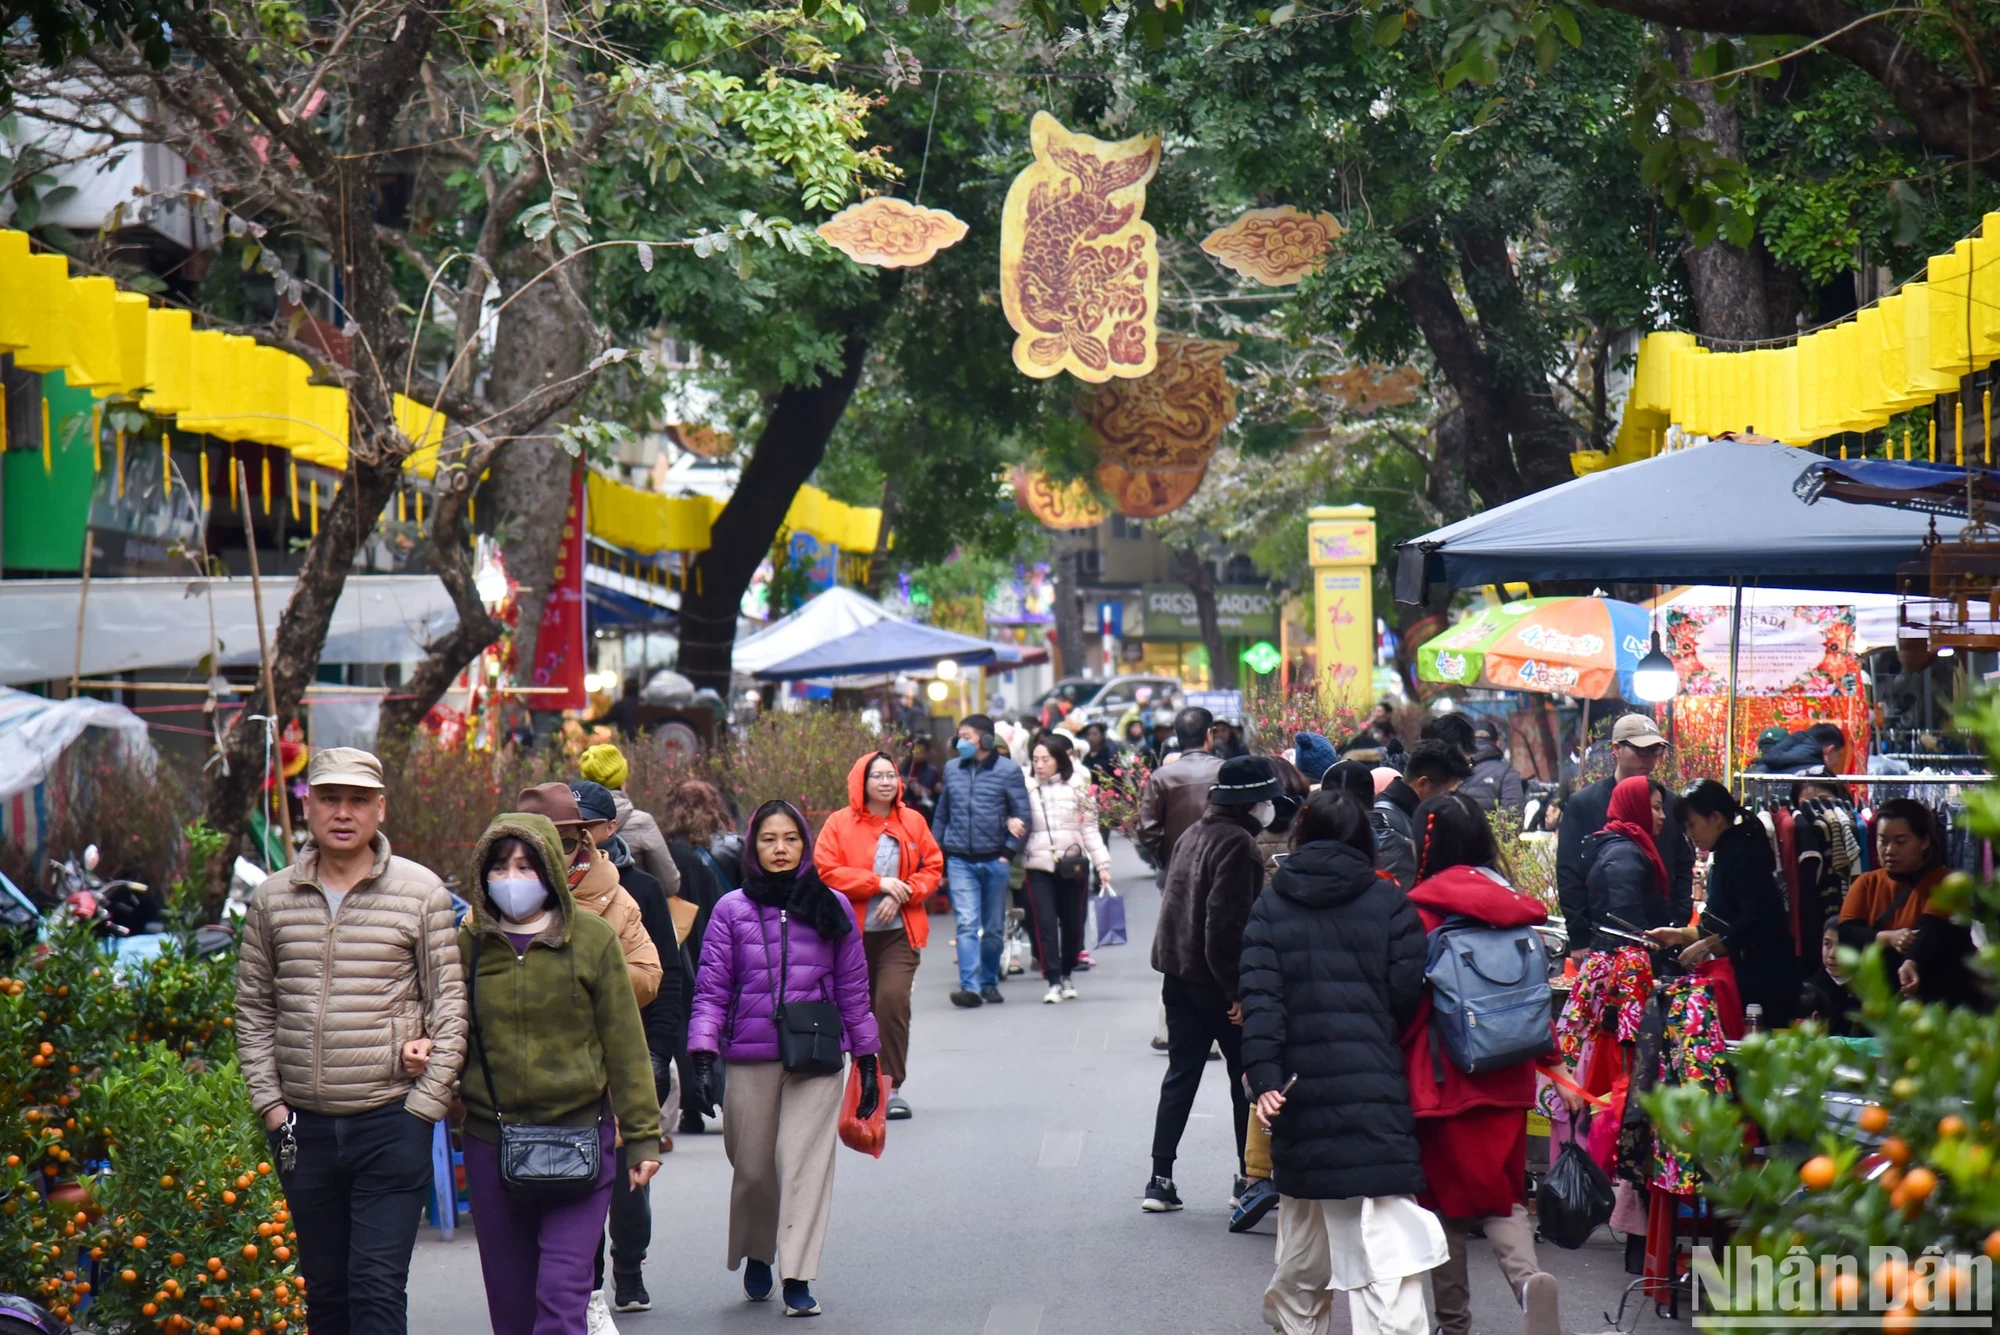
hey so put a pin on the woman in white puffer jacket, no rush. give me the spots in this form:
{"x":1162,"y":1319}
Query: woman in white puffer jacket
{"x":1062,"y":829}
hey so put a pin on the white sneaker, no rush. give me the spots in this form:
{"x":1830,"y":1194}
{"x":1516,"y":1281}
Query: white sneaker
{"x":600,"y":1316}
{"x":1053,"y":995}
{"x":1068,"y":990}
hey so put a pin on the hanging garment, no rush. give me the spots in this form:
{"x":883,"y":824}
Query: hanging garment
{"x":1610,"y":993}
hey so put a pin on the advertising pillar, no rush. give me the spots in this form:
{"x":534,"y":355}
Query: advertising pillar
{"x":1341,"y":541}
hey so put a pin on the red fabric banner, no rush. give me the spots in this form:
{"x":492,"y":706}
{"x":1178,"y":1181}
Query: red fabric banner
{"x":560,"y":645}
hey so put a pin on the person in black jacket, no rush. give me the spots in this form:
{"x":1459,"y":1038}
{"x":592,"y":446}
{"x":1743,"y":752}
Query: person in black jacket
{"x":665,"y":1022}
{"x":1435,"y":767}
{"x":1826,"y":996}
{"x":1332,"y":972}
{"x":1627,"y":880}
{"x":1636,"y":750}
{"x":1216,"y":873}
{"x":702,"y":841}
{"x":1495,"y":783}
{"x":1745,"y":917}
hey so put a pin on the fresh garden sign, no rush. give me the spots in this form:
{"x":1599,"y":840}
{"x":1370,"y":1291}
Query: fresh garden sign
{"x":1170,"y":614}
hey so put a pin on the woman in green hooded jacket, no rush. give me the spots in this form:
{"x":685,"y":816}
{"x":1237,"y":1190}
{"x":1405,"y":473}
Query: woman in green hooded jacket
{"x":557,"y":1037}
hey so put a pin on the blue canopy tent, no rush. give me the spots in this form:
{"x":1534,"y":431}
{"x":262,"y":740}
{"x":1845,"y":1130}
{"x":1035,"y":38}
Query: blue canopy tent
{"x":1719,"y":513}
{"x":884,"y":646}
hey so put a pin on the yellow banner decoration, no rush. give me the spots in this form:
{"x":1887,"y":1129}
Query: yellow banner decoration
{"x":1276,"y":247}
{"x":1079,"y":269}
{"x":891,"y":233}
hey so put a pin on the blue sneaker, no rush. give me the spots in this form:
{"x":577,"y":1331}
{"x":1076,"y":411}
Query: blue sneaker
{"x":1256,"y":1201}
{"x":757,"y":1281}
{"x":799,"y":1300}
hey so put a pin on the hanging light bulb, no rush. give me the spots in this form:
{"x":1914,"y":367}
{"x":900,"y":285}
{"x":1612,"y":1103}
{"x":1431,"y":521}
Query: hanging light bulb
{"x":937,"y":690}
{"x":947,"y":669}
{"x":1654,"y":680}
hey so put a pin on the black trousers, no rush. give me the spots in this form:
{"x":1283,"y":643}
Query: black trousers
{"x":1055,"y":912}
{"x":357,"y":1195}
{"x":1197,"y":1015}
{"x":631,"y":1225}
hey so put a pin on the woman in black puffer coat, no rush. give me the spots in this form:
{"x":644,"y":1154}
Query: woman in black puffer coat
{"x":1332,"y":970}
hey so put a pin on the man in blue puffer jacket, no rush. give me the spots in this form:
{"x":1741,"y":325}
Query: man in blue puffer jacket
{"x":980,"y":821}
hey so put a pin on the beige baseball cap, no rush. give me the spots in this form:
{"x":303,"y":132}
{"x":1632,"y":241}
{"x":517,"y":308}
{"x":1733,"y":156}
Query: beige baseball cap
{"x":1636,"y":730}
{"x":348,"y":766}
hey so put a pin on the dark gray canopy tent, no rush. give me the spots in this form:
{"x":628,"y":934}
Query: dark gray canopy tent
{"x":1710,"y":514}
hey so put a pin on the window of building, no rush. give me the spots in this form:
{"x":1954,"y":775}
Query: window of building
{"x":1127,"y":528}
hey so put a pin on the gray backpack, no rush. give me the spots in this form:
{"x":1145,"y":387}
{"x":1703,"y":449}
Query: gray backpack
{"x":1489,"y":995}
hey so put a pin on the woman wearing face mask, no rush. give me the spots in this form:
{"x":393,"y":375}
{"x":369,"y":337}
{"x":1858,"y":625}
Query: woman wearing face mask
{"x":880,"y":854}
{"x":556,"y":1041}
{"x":784,"y":929}
{"x":1062,"y":833}
{"x":1627,"y":878}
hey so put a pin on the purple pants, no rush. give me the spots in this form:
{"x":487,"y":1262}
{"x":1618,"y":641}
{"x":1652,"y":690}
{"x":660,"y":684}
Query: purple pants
{"x":538,"y":1259}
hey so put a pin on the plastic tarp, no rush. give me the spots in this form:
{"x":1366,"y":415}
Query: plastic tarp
{"x":825,"y":616}
{"x":34,"y":733}
{"x":1874,"y":613}
{"x":885,"y":646}
{"x":1707,"y":514}
{"x":1938,"y":489}
{"x":132,"y":624}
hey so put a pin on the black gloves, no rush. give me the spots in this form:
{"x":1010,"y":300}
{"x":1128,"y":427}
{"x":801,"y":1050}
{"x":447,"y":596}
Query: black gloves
{"x":701,"y":1095}
{"x":871,"y":1092}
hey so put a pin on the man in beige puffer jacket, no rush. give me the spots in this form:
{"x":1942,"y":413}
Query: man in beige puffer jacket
{"x":349,"y":970}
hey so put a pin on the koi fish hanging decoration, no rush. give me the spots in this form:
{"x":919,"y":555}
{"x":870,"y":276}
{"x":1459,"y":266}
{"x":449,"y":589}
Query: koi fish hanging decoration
{"x":1079,"y":268}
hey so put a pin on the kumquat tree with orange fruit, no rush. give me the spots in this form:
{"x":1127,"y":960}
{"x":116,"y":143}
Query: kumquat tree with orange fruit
{"x":1859,"y":1173}
{"x":136,"y":1191}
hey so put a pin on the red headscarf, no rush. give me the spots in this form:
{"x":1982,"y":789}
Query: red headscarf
{"x":1631,"y":814}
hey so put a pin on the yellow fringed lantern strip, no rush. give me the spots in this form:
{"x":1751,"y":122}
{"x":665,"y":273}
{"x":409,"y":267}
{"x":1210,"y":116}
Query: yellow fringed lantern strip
{"x":204,"y":479}
{"x":265,"y":479}
{"x":96,"y":440}
{"x":166,"y":464}
{"x":120,"y":439}
{"x":315,"y":507}
{"x":48,"y":440}
{"x":292,"y":488}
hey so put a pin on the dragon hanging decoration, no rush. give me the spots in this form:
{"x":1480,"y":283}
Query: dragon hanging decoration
{"x":1079,"y":269}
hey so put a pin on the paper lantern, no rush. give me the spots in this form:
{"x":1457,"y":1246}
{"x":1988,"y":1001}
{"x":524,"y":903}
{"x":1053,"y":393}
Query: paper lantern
{"x":44,"y":291}
{"x":169,"y":375}
{"x":93,"y":335}
{"x":1168,"y":421}
{"x":1079,"y":269}
{"x":1055,"y":505}
{"x":891,"y":233}
{"x":14,"y":308}
{"x":1143,"y":494}
{"x":1276,"y":247}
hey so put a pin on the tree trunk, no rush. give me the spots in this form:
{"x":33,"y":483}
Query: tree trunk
{"x":546,"y":336}
{"x":1199,"y":576}
{"x":878,"y":564}
{"x":451,"y":556}
{"x":1069,"y":607}
{"x":295,"y":650}
{"x":788,"y":449}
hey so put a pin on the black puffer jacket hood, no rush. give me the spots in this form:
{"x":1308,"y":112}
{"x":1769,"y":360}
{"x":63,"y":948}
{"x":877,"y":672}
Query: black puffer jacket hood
{"x":1332,"y":971}
{"x":1325,"y":875}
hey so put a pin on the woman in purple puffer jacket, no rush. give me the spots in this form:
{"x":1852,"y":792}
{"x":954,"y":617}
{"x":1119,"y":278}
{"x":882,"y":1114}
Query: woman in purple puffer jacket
{"x":779,"y":1127}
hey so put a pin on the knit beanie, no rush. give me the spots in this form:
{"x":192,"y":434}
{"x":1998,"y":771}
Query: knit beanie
{"x":1315,"y":755}
{"x":605,"y":764}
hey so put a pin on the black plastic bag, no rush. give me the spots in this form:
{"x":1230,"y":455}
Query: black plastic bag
{"x":1574,"y":1198}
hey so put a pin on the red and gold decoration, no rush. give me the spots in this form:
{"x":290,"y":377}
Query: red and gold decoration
{"x":1079,"y":269}
{"x":1144,"y":493}
{"x":1276,"y":247}
{"x":561,"y":645}
{"x":1796,"y":666}
{"x":1171,"y":420}
{"x":891,"y":233}
{"x":1055,"y":505}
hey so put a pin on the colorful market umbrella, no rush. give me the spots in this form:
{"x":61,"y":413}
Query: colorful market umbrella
{"x":1559,"y":646}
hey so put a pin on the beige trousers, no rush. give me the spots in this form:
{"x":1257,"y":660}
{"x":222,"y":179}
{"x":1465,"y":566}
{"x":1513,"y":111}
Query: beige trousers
{"x":780,"y":1132}
{"x":1512,"y":1238}
{"x":1299,"y":1301}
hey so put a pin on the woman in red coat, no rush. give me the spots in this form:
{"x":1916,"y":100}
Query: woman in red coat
{"x":1472,"y":1130}
{"x":878,"y":851}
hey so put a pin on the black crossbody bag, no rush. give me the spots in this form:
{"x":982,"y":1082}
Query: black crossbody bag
{"x":808,"y":1031}
{"x":540,"y":1163}
{"x":1072,"y":866}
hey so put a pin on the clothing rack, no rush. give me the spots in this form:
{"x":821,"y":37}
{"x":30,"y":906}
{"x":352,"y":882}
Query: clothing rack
{"x":1879,"y":779}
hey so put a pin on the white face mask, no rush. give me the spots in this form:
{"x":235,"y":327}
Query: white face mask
{"x":518,"y":897}
{"x":1264,"y":813}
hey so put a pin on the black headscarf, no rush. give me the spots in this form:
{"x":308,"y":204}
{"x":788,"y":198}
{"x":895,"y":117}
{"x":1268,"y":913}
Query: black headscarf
{"x":800,"y":893}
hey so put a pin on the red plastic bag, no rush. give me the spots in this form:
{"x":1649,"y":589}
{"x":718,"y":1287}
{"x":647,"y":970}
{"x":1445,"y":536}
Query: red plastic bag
{"x":869,"y":1136}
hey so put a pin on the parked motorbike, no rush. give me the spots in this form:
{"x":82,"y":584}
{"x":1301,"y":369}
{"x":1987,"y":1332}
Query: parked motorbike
{"x":119,"y":908}
{"x":18,"y":1316}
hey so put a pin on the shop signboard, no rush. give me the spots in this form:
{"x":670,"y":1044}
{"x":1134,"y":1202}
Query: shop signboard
{"x":1242,"y":612}
{"x":1224,"y":705}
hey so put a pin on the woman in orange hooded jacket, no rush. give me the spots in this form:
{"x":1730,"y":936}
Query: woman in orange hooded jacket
{"x":880,"y":854}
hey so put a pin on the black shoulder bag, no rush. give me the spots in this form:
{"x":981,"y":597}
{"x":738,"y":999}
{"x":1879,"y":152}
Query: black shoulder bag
{"x":1071,"y":866}
{"x":808,"y":1031}
{"x":540,"y":1163}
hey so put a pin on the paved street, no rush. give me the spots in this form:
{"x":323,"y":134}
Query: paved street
{"x":1010,"y":1204}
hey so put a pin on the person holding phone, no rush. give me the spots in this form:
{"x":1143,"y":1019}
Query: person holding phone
{"x":878,"y":851}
